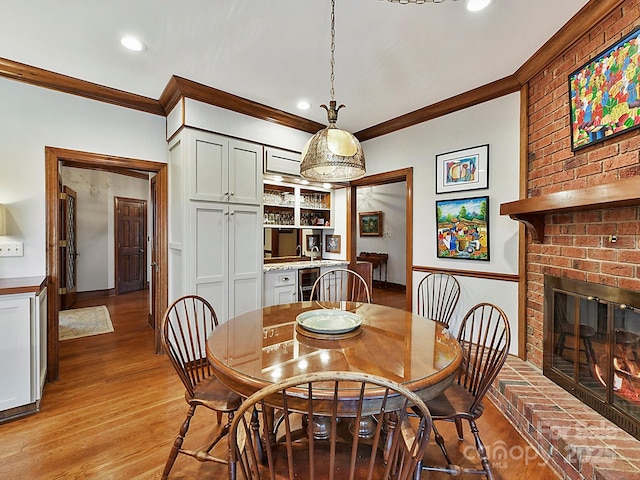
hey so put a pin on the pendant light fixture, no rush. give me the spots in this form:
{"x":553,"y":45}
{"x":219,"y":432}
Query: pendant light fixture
{"x":332,"y":154}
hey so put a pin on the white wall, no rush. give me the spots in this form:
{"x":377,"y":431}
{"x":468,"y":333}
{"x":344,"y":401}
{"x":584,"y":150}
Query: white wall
{"x":32,"y":118}
{"x":495,"y":123}
{"x":390,"y":199}
{"x":96,"y":191}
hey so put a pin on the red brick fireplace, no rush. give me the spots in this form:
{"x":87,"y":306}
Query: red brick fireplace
{"x":579,"y":244}
{"x":582,"y":213}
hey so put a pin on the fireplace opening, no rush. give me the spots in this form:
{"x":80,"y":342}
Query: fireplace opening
{"x":592,"y":346}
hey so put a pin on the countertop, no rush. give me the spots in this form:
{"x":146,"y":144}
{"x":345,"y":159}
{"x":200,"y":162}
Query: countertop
{"x":10,"y":286}
{"x":268,"y":267}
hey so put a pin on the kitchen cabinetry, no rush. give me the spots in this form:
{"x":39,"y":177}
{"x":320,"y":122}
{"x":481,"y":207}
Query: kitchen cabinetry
{"x":281,"y":162}
{"x":290,"y":205}
{"x":23,"y":340}
{"x":280,"y":287}
{"x":216,"y":228}
{"x":223,"y":169}
{"x":227,"y":260}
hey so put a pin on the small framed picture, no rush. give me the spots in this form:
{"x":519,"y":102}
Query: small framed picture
{"x":370,"y":224}
{"x":312,"y":241}
{"x":332,"y":243}
{"x":466,"y":169}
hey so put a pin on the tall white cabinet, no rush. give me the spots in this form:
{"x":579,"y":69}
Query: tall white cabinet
{"x":215,"y":218}
{"x":23,"y":340}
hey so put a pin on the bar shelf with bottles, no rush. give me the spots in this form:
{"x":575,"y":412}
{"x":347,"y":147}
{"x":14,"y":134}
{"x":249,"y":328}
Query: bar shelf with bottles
{"x":292,"y":206}
{"x":315,"y":208}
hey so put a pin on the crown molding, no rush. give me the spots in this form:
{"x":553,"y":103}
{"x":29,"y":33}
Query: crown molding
{"x":63,"y":83}
{"x":476,"y":96}
{"x":179,"y":87}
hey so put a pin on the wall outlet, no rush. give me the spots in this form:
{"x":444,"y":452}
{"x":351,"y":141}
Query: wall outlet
{"x":11,"y":249}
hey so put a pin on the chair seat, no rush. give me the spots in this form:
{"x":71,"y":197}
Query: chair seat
{"x":211,"y":393}
{"x":455,"y":401}
{"x":321,"y":461}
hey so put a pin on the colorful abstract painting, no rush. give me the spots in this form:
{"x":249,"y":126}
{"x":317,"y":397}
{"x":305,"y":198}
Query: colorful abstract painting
{"x":603,"y":94}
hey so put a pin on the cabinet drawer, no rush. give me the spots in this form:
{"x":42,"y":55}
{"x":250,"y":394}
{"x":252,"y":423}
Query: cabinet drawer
{"x":285,"y":279}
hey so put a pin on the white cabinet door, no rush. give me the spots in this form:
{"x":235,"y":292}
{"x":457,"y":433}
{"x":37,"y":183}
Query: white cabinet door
{"x":15,"y":351}
{"x":208,"y":166}
{"x":245,"y":173}
{"x":245,"y":258}
{"x":281,"y":161}
{"x":284,"y":295}
{"x":209,"y":258}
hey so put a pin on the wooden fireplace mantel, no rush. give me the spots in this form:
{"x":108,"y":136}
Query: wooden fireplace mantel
{"x":531,"y":211}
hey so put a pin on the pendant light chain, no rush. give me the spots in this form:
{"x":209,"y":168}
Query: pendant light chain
{"x":333,"y":45}
{"x":332,"y":154}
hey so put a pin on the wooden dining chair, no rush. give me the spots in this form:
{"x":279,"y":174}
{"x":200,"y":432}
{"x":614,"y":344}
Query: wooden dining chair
{"x":438,"y":295}
{"x":341,"y":285}
{"x":185,"y":327}
{"x":485,"y":338}
{"x":344,"y":398}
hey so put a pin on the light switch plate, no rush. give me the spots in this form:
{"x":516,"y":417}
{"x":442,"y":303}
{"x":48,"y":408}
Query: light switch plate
{"x":11,"y":249}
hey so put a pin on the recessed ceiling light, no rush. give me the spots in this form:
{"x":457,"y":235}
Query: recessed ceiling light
{"x":304,"y":182}
{"x":327,"y":185}
{"x":475,"y":5}
{"x":304,"y":105}
{"x":132,"y":43}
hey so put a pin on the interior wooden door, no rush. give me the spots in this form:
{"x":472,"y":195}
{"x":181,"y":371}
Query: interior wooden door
{"x":68,"y":247}
{"x":131,"y":254}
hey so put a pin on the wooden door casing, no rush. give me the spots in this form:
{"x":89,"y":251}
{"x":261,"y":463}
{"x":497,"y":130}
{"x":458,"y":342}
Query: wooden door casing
{"x":131,"y":234}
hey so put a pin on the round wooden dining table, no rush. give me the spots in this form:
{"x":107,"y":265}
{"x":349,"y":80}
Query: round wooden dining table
{"x":260,"y":347}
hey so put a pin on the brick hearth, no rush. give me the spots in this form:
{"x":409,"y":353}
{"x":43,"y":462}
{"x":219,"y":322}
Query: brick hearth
{"x":574,"y":439}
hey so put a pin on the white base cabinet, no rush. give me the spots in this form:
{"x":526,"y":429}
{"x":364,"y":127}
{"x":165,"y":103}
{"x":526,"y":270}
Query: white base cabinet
{"x":23,"y":334}
{"x":280,"y":286}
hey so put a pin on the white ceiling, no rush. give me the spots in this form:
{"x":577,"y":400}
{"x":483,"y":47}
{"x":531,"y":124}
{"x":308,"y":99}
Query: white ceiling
{"x":391,"y":59}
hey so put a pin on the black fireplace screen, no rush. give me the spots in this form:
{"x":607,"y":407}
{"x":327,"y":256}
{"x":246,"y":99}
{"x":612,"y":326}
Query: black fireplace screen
{"x":591,"y":347}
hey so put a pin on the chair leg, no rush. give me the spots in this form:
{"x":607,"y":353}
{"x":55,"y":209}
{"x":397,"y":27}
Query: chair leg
{"x":440,"y":441}
{"x":224,"y":431}
{"x":219,"y":417}
{"x":177,"y":444}
{"x":458,"y":423}
{"x":481,"y":450}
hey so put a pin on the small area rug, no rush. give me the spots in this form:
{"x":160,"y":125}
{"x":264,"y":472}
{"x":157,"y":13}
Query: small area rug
{"x":84,"y":322}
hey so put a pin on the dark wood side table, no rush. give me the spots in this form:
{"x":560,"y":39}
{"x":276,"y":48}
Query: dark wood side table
{"x":378,"y":260}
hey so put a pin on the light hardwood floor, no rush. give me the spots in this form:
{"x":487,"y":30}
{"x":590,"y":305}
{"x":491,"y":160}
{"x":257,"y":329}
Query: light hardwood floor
{"x":117,"y":407}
